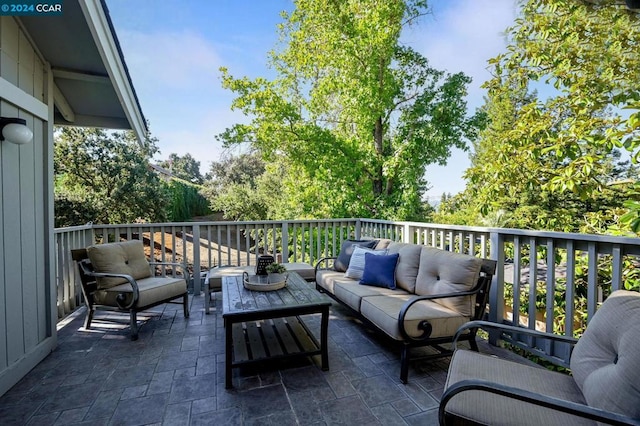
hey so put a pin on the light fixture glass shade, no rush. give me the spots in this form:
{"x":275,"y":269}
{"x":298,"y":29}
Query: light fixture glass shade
{"x":17,"y":133}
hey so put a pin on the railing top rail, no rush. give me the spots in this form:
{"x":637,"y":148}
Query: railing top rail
{"x":611,"y":239}
{"x":73,"y":228}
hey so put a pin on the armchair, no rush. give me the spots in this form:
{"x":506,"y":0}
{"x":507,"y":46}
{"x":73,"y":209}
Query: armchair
{"x":117,"y":276}
{"x":602,"y":389}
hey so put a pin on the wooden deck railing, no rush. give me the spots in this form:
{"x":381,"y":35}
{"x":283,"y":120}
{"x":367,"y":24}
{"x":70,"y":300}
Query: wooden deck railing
{"x":571,"y":273}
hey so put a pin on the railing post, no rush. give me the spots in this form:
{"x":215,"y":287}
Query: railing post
{"x":285,"y":242}
{"x":406,"y":233}
{"x":358,"y":229}
{"x":496,"y":293}
{"x":197,"y":280}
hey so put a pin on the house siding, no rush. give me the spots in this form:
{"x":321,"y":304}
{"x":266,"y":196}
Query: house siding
{"x":27,"y":330}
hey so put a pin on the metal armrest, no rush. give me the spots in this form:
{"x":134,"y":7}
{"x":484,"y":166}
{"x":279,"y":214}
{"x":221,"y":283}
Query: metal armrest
{"x":121,"y":297}
{"x":322,"y":259}
{"x":569,"y":407}
{"x":424,"y":325}
{"x":520,"y":330}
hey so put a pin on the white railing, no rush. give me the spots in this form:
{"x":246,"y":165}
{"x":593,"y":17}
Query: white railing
{"x":573,"y":272}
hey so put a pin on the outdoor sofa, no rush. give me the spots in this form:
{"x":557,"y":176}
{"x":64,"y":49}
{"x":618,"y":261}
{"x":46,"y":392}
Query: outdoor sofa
{"x":414,"y":294}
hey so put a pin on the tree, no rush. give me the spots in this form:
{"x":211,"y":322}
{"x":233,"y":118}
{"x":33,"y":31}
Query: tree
{"x":185,"y":167}
{"x":353,"y":116}
{"x":550,"y":161}
{"x":104,"y":177}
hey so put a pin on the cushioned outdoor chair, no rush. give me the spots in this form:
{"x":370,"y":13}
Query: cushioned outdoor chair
{"x":117,"y":276}
{"x":603,"y":388}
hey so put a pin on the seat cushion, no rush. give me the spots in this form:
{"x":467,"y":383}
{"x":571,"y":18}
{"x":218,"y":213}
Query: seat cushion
{"x":408,"y":263}
{"x":215,"y":274}
{"x":447,"y":272}
{"x":346,"y":250}
{"x":327,"y":279}
{"x":151,"y":290}
{"x":351,"y":292}
{"x":384,"y":312}
{"x":486,"y":408}
{"x":119,"y":258}
{"x":606,"y":360}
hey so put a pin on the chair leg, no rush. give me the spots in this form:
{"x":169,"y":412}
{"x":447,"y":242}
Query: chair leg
{"x":404,"y":364}
{"x":207,"y":299}
{"x":185,"y":305}
{"x":134,"y":324}
{"x":89,"y":317}
{"x":472,"y":343}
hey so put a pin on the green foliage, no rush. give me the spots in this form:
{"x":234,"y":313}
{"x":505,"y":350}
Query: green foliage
{"x":185,"y":167}
{"x":186,"y":201}
{"x":550,"y":160}
{"x":352,"y":118}
{"x":104,"y":177}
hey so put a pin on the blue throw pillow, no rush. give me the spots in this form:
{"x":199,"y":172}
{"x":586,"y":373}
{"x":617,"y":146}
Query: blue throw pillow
{"x":344,"y":257}
{"x":380,"y":271}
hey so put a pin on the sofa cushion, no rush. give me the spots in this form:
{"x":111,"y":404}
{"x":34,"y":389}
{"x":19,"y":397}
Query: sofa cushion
{"x":408,"y":263}
{"x":356,"y":264}
{"x":486,"y":408}
{"x":346,"y":250}
{"x":383,"y":243}
{"x":606,"y":360}
{"x":384,"y":312}
{"x":380,"y":271}
{"x":119,"y":258}
{"x":150,"y":291}
{"x":350,"y":292}
{"x":327,"y":279}
{"x":447,"y":272}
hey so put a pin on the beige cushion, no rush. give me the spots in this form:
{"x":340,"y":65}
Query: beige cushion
{"x":492,"y":409}
{"x":384,"y":312}
{"x":383,"y":243}
{"x":408,"y":263}
{"x":327,"y":278}
{"x":120,"y":258}
{"x":351,"y":293}
{"x":215,"y":275}
{"x":151,"y":290}
{"x":446,"y":272}
{"x":606,"y":360}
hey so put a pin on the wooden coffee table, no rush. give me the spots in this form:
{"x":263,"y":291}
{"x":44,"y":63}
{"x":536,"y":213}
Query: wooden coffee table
{"x":261,"y":325}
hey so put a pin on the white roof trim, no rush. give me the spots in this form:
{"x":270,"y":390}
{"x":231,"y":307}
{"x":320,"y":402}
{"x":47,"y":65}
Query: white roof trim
{"x":99,"y":27}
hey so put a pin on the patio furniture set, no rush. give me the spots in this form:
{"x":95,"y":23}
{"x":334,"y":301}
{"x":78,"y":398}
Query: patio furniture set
{"x":414,"y":295}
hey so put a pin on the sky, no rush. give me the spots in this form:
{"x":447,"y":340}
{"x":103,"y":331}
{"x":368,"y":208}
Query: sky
{"x":174,"y":49}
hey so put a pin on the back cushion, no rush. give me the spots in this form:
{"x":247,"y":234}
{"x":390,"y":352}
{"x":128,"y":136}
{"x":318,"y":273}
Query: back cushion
{"x":606,"y":360}
{"x":119,"y":258}
{"x":447,"y":272}
{"x":346,"y":250}
{"x":407,"y":267}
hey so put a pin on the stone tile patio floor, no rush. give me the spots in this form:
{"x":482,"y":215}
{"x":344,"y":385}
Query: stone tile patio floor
{"x":174,"y":375}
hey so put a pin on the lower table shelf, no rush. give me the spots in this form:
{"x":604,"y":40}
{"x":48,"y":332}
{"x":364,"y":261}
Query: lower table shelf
{"x":272,"y":339}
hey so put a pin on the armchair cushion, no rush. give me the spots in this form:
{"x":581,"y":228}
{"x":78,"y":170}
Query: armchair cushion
{"x":447,"y":272}
{"x":119,"y":258}
{"x":606,"y":362}
{"x":151,"y":291}
{"x":486,"y":408}
{"x":346,"y":250}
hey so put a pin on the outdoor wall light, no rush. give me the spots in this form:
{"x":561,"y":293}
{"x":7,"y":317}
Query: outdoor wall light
{"x":15,"y":130}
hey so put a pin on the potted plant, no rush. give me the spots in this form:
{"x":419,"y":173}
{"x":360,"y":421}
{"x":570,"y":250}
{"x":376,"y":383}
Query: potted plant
{"x":275,"y":268}
{"x":276,"y":272}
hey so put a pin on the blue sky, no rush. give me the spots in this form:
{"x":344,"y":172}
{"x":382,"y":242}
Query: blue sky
{"x":174,"y":48}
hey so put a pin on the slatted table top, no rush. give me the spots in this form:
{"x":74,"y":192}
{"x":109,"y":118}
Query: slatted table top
{"x":298,"y":294}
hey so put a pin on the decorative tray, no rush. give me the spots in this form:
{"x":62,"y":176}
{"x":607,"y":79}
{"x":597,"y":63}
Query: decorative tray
{"x":264,"y":282}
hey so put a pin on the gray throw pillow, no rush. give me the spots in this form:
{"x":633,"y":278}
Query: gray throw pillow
{"x":342,"y":262}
